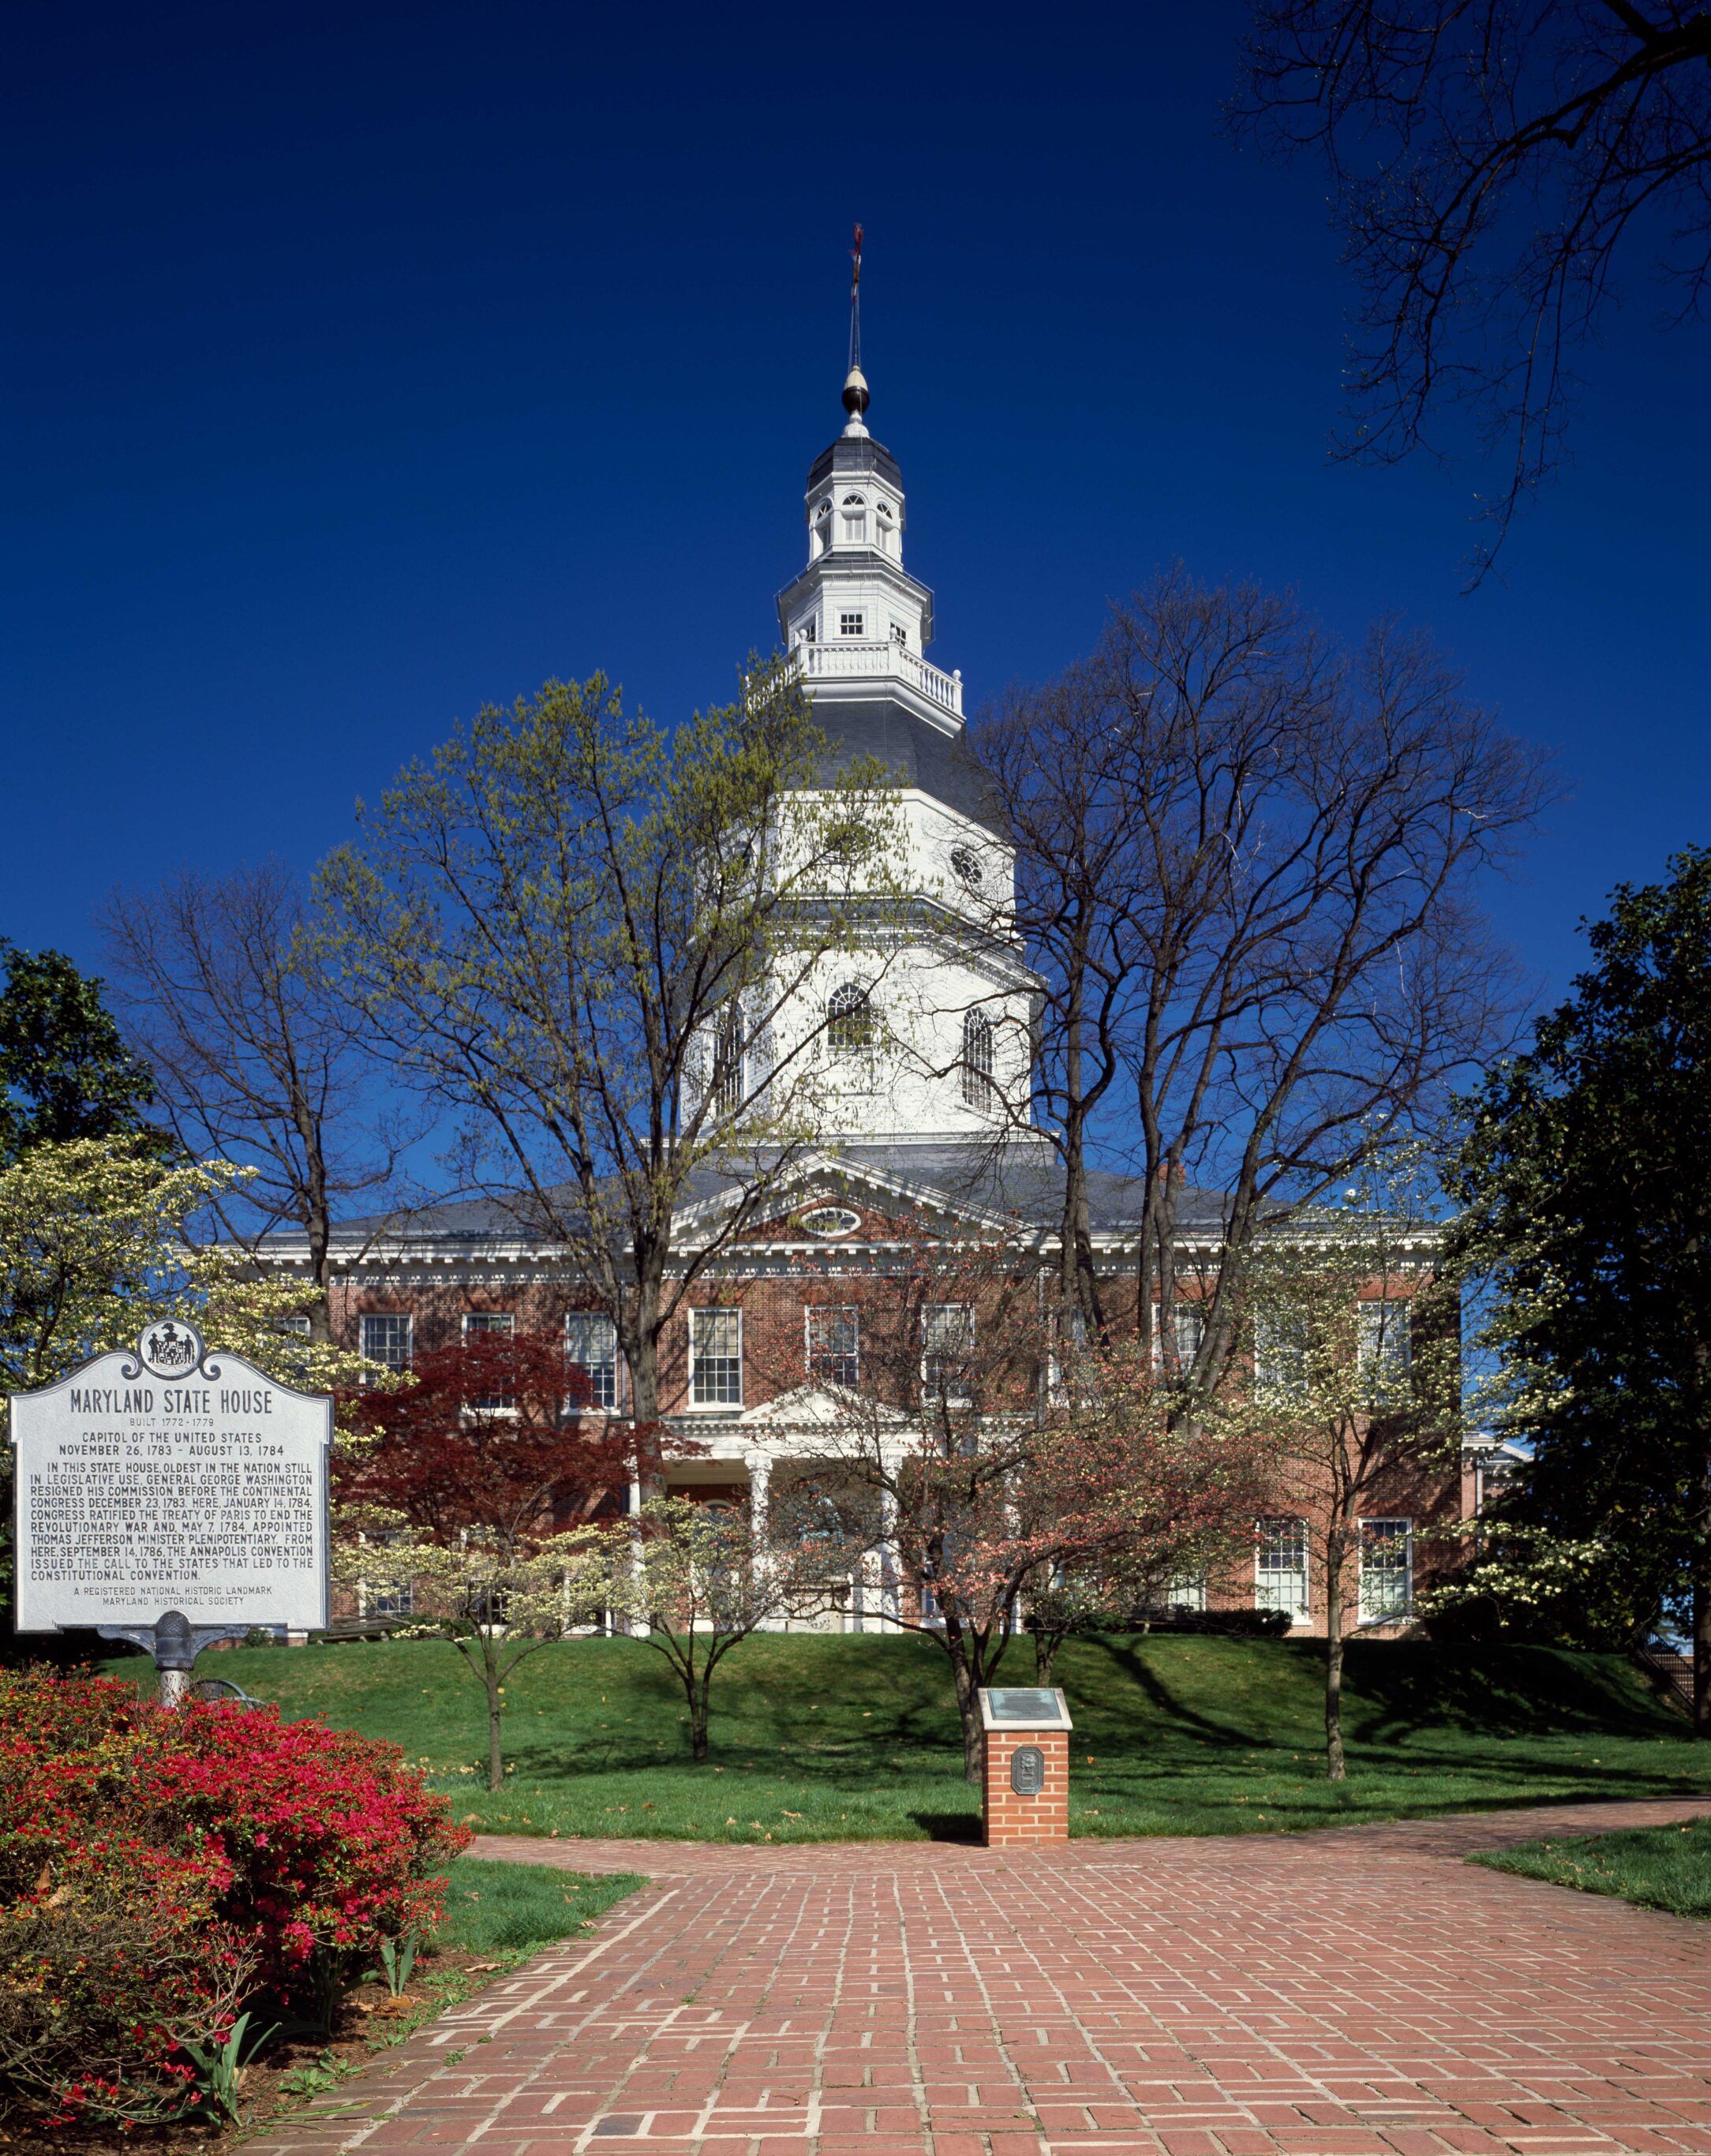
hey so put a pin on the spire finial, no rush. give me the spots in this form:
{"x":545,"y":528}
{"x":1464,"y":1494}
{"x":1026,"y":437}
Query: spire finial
{"x":856,"y":398}
{"x":855,"y":303}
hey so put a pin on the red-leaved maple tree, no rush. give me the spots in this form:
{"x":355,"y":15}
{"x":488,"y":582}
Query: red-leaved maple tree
{"x":492,"y":1436}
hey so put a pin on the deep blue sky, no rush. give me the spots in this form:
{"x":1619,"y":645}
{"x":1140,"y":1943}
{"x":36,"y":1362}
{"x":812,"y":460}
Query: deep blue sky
{"x":365,"y":361}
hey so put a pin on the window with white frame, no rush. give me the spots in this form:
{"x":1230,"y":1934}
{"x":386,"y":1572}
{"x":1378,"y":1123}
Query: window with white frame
{"x":855,"y":520}
{"x":1386,"y":1569}
{"x":1280,"y":1355}
{"x":716,"y":1358}
{"x":387,"y":1337}
{"x":489,"y":1325}
{"x":295,"y":1360}
{"x":979,"y":1090}
{"x":1280,"y":1566}
{"x":1068,"y":1338}
{"x":1383,"y":1346}
{"x":947,"y":1346}
{"x":591,"y":1348}
{"x":851,"y":623}
{"x":727,"y":1060}
{"x":1187,"y":1591}
{"x":849,"y":1021}
{"x":899,"y":634}
{"x":833,"y":1343}
{"x":389,"y":1598}
{"x":1188,"y":1329}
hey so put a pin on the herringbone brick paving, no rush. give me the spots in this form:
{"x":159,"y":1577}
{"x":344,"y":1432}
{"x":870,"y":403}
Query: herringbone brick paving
{"x":1356,"y":1992}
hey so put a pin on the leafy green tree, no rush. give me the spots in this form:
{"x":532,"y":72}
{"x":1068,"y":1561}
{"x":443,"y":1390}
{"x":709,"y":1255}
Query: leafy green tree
{"x":65,"y":1072}
{"x":96,"y":1235}
{"x":604,"y":945}
{"x":1586,"y":1180}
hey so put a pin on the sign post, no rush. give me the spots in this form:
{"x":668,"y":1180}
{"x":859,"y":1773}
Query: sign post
{"x":171,"y":1497}
{"x":1026,"y":1778}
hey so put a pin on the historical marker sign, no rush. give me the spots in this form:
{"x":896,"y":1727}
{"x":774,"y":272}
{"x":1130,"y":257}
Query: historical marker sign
{"x":171,"y":1480}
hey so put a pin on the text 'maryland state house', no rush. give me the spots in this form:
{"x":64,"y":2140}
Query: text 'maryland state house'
{"x":170,"y":1478}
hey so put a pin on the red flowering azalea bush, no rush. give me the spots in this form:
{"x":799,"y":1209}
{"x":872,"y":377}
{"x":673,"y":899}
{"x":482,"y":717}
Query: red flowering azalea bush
{"x":156,"y":1869}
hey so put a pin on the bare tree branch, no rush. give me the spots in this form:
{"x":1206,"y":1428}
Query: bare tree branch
{"x":1492,"y":158}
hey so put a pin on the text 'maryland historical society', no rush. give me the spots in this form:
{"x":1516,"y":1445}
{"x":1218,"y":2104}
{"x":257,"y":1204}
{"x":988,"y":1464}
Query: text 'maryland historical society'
{"x":171,"y":1479}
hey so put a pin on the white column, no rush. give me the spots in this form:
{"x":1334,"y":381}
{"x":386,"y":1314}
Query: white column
{"x":760,"y":1471}
{"x":888,"y":1567}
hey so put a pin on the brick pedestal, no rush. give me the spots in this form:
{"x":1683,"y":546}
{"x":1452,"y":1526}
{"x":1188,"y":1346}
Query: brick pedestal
{"x":1010,"y":1818}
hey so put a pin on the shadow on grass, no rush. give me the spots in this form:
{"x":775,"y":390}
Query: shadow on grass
{"x":1394,"y":1687}
{"x":1135,"y":1665}
{"x":949,"y":1826}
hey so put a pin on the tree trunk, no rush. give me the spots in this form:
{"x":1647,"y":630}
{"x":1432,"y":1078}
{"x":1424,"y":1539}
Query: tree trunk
{"x":1703,"y":1613}
{"x":698,"y":1687}
{"x":968,"y":1706}
{"x":1046,"y":1647}
{"x":318,"y":1210}
{"x":495,"y":1737}
{"x":1336,"y":1770}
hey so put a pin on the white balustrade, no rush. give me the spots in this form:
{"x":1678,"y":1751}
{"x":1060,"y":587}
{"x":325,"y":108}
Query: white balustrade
{"x":854,"y":658}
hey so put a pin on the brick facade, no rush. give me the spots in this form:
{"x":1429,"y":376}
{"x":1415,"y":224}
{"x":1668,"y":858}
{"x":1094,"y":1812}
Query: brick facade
{"x":773,"y":1278}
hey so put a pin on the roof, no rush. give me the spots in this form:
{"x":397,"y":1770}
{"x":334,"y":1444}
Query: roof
{"x":855,"y":453}
{"x":918,"y":751}
{"x":1021,"y":1182}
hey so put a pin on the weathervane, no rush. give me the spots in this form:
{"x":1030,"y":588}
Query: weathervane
{"x":855,"y":302}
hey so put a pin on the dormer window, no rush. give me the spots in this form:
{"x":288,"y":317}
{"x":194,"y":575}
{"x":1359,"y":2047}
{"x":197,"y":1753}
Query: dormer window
{"x":852,"y":624}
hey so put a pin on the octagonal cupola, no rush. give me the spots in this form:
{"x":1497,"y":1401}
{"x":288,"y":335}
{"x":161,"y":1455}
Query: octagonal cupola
{"x":854,"y":614}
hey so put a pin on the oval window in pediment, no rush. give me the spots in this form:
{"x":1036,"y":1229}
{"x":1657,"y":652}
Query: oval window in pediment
{"x":830,"y":1221}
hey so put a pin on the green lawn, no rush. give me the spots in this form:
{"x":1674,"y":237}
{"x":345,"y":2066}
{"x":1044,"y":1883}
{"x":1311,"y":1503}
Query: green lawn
{"x":509,"y":1908}
{"x":1660,"y":1868}
{"x":818,"y":1738}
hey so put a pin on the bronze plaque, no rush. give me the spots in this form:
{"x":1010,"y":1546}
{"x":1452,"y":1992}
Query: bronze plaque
{"x":1034,"y":1703}
{"x":1027,"y":1770}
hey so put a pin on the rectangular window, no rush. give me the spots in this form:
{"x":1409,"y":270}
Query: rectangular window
{"x":1280,"y":1567}
{"x":1386,"y":1569}
{"x":591,"y":1347}
{"x":1188,"y":1591}
{"x":854,"y":529}
{"x":490,"y":1324}
{"x":899,"y":634}
{"x":716,"y":1358}
{"x":947,"y":1345}
{"x":1280,"y":1356}
{"x":1382,"y":1345}
{"x":388,"y":1338}
{"x":296,"y":1361}
{"x":395,"y":1598}
{"x":852,"y":624}
{"x":833,"y":1336}
{"x":1187,"y":1326}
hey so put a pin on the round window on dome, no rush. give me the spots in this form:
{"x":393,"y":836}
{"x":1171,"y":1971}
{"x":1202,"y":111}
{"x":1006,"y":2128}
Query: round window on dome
{"x":966,"y":864}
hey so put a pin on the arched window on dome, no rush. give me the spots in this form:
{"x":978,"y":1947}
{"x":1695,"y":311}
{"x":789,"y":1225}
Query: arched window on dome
{"x":821,"y":530}
{"x":729,"y":1045}
{"x":979,"y":1090}
{"x":888,"y":527}
{"x":849,"y":1020}
{"x":854,"y":515}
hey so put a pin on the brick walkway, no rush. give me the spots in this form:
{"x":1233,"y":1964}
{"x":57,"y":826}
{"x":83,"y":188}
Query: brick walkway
{"x":1322,"y":1994}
